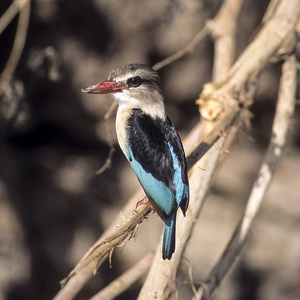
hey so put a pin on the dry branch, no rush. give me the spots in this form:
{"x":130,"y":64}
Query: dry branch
{"x":123,"y":282}
{"x":284,"y":17}
{"x":11,"y":12}
{"x":20,"y":38}
{"x":223,"y":28}
{"x":284,"y":111}
{"x":189,"y":48}
{"x":106,"y":245}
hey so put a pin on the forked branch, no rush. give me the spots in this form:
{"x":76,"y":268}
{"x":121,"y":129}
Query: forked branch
{"x":284,"y":111}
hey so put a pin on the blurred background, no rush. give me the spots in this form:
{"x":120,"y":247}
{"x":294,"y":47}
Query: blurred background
{"x":53,"y":207}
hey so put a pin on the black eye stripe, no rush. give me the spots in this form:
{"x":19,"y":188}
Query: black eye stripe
{"x":134,"y":81}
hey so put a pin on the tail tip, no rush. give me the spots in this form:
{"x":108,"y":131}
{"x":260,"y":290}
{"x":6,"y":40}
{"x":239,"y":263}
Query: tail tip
{"x":167,"y":255}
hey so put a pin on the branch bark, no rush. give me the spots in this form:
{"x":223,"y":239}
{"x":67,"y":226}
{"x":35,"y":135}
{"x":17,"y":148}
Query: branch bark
{"x":284,"y":111}
{"x":20,"y":38}
{"x":106,"y":245}
{"x":11,"y":12}
{"x":223,"y":30}
{"x":123,"y":282}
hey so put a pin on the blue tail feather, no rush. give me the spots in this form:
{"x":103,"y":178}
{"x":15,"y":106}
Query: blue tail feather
{"x":168,"y":247}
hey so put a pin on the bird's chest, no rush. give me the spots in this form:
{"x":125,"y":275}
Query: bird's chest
{"x":122,"y":128}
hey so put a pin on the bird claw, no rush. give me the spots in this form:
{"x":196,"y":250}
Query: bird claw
{"x":144,"y":201}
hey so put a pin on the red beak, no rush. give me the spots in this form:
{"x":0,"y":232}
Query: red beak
{"x":104,"y":87}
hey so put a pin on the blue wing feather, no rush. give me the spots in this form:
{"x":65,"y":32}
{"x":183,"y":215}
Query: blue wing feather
{"x":155,"y":189}
{"x":181,"y":188}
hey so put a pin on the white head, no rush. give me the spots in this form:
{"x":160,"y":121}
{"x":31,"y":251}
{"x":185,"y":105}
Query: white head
{"x":133,"y":86}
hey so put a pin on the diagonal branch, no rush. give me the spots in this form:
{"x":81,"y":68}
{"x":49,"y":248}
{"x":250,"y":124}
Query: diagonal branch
{"x":123,"y":282}
{"x":189,"y":48}
{"x":284,"y":111}
{"x":20,"y":38}
{"x":11,"y":12}
{"x":106,"y":245}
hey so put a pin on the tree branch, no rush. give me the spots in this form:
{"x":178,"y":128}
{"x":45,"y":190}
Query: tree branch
{"x":10,"y":13}
{"x":20,"y":38}
{"x":284,"y":111}
{"x":106,"y":245}
{"x":123,"y":282}
{"x":189,"y":48}
{"x":223,"y":29}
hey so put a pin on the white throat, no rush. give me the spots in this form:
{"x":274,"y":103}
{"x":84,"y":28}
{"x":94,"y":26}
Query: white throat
{"x":152,"y":105}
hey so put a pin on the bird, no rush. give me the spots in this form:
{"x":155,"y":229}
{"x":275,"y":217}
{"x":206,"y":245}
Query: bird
{"x":150,"y":142}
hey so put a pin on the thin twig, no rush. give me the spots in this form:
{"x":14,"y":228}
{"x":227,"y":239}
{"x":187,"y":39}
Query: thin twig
{"x":10,"y":13}
{"x":112,"y":147}
{"x":189,"y":48}
{"x":284,"y":111}
{"x":110,"y":110}
{"x":18,"y":45}
{"x":108,"y":161}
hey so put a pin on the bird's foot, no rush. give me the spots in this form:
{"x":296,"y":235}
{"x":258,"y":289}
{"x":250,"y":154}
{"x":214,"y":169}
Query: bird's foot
{"x":144,"y":201}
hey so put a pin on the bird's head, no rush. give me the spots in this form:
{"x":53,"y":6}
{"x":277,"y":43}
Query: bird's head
{"x":133,"y":86}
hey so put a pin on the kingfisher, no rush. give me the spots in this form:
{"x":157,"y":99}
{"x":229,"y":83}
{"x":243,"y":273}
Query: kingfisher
{"x":150,"y":142}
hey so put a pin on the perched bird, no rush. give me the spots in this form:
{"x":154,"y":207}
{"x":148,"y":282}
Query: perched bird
{"x":150,"y":142}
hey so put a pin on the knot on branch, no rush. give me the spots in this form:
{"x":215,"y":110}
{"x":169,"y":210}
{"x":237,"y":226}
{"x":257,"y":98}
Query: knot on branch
{"x":216,"y":99}
{"x":210,"y":102}
{"x":220,"y":27}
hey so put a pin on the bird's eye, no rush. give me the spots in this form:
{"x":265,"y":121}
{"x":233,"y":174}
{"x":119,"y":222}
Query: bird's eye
{"x":134,"y":81}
